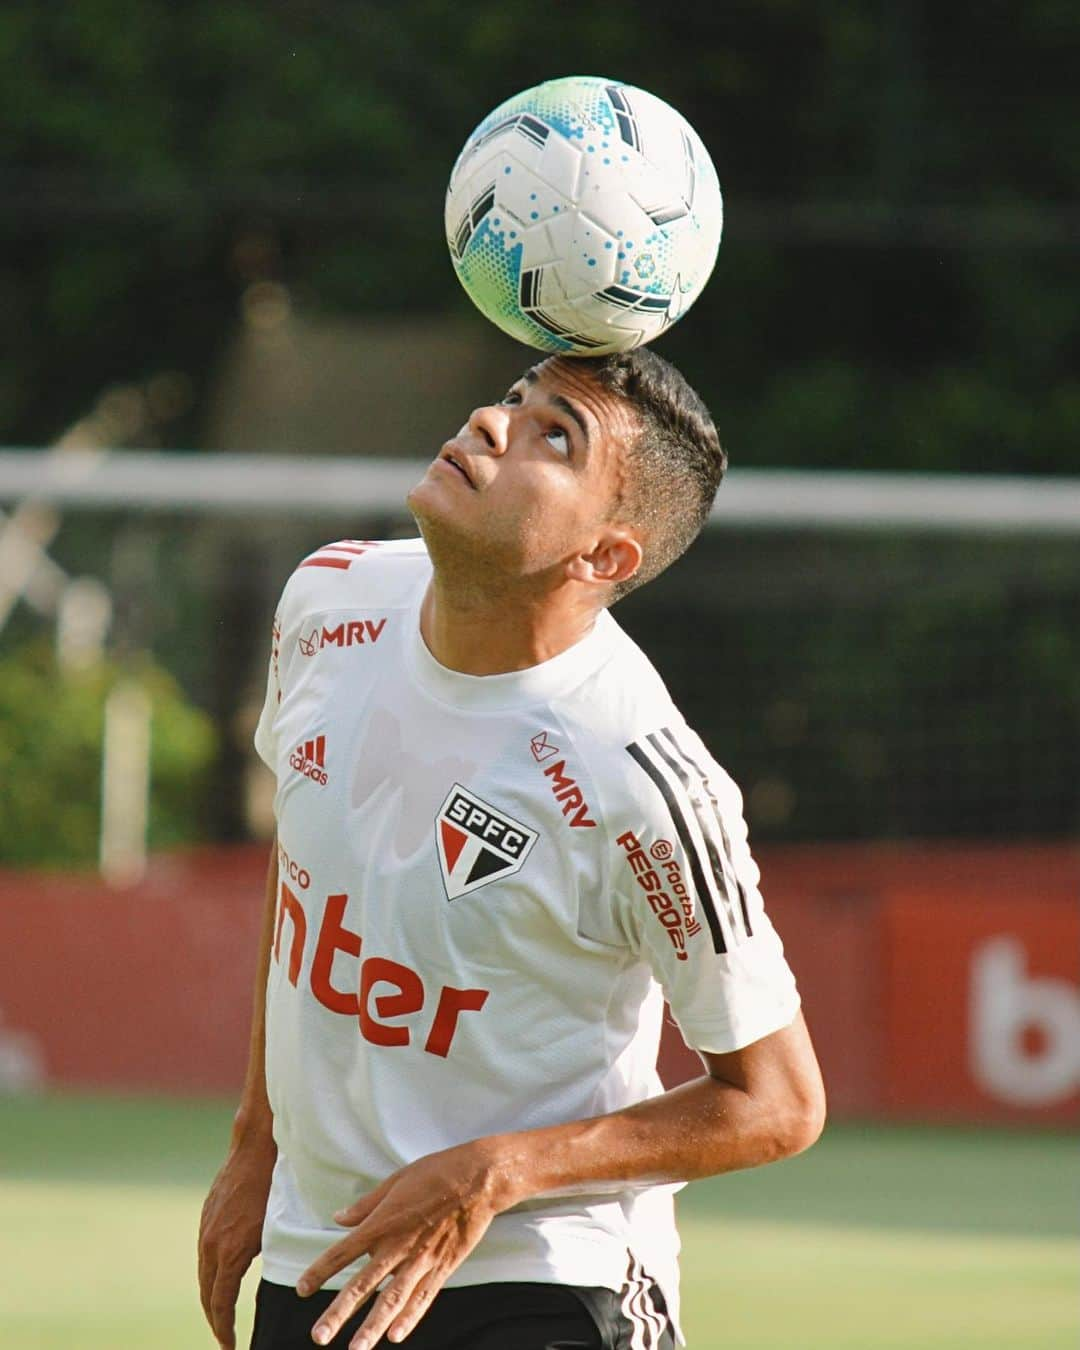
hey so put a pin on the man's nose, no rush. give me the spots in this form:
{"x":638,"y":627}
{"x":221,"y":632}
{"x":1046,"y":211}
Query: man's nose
{"x":492,"y":424}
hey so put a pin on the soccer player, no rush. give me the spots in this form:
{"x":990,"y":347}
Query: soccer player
{"x":499,"y":848}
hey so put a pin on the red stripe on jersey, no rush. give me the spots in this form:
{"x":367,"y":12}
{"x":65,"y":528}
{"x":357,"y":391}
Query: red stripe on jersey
{"x":324,"y":557}
{"x":453,"y":842}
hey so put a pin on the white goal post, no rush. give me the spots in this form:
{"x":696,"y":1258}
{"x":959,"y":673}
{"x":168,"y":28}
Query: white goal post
{"x":207,"y":482}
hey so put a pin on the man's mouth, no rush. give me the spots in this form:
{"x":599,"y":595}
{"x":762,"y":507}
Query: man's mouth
{"x":455,"y":463}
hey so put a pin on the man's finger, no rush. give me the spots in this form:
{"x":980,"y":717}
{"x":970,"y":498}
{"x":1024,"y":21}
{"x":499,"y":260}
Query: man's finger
{"x":351,"y":1298}
{"x":335,"y":1258}
{"x":207,"y":1270}
{"x":418,"y":1302}
{"x":222,"y":1313}
{"x":358,"y":1291}
{"x":389,"y":1305}
{"x":358,"y":1211}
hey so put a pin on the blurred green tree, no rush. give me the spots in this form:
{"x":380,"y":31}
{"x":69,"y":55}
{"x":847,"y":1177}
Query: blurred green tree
{"x":50,"y":759}
{"x":893,"y":290}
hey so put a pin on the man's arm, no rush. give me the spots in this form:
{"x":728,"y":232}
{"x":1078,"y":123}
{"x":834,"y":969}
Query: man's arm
{"x":756,"y":1105}
{"x":230,"y":1231}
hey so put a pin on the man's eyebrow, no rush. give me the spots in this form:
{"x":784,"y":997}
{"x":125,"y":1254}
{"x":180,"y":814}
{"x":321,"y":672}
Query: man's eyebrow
{"x":564,"y":405}
{"x":531,"y":376}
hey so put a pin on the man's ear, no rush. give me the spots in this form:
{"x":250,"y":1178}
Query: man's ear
{"x":615,"y":557}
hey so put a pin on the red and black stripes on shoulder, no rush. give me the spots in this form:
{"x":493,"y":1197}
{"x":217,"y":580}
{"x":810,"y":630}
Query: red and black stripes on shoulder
{"x":699,"y":825}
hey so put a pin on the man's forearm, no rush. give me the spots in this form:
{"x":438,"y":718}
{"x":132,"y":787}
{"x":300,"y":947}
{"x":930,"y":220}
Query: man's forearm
{"x":702,"y":1128}
{"x":232,"y":1216}
{"x":254,"y":1120}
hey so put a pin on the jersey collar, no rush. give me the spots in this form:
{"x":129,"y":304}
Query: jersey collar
{"x":515,"y":689}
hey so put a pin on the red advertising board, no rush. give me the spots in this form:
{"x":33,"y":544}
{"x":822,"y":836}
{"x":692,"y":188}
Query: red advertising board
{"x":146,"y":988}
{"x":983,"y":1007}
{"x":939,"y":982}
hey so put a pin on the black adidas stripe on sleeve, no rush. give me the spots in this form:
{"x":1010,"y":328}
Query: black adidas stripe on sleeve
{"x":725,"y":841}
{"x":678,"y":819}
{"x":680,"y":782}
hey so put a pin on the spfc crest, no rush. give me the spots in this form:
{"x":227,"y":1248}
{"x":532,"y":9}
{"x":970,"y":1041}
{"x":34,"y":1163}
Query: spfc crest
{"x":477,"y":842}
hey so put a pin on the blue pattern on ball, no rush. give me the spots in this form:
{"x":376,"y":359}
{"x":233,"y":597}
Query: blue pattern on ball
{"x":580,"y":295}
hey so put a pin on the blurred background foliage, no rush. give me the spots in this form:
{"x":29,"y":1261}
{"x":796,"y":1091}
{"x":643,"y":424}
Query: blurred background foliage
{"x":894,"y":286}
{"x":884,"y":685}
{"x":50,"y":757}
{"x":896,"y":289}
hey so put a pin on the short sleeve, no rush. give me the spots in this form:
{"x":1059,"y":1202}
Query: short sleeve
{"x":687,"y":897}
{"x":265,"y":737}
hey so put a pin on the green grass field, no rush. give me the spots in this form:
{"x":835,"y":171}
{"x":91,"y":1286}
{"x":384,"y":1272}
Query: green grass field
{"x":914,"y":1238}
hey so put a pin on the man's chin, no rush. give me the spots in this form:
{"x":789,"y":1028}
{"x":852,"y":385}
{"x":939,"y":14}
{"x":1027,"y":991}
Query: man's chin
{"x":429,"y":498}
{"x":437,"y":510}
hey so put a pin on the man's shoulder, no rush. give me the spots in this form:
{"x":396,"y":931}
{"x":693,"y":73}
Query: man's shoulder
{"x":633,"y":737}
{"x":624,"y":695}
{"x":348,"y":572}
{"x":622,"y":702}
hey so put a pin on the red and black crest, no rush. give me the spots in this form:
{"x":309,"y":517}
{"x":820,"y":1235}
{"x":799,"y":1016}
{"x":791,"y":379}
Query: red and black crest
{"x":477,"y":842}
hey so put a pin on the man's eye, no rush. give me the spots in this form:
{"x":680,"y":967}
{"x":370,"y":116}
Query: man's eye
{"x":512,"y":397}
{"x":558,"y":440}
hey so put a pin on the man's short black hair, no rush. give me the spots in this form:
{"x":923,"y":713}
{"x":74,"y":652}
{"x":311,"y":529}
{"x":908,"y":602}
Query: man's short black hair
{"x":673,"y":464}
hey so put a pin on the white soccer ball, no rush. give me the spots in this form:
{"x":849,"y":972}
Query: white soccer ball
{"x":584,"y":216}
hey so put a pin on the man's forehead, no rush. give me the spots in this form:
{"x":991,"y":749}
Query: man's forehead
{"x":554,"y":373}
{"x":558,"y":375}
{"x":558,"y":370}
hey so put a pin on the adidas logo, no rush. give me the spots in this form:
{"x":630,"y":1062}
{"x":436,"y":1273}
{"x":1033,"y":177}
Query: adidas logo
{"x":310,"y":759}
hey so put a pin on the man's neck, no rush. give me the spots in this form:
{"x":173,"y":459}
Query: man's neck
{"x":493,"y":634}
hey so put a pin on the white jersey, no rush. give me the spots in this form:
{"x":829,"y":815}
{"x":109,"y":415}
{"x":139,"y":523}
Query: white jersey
{"x":488,"y":886}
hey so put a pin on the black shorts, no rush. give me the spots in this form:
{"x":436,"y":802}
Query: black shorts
{"x":487,"y":1317}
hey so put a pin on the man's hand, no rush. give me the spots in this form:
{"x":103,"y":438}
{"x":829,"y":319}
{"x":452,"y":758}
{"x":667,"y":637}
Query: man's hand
{"x":416,"y":1228}
{"x":230,"y":1231}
